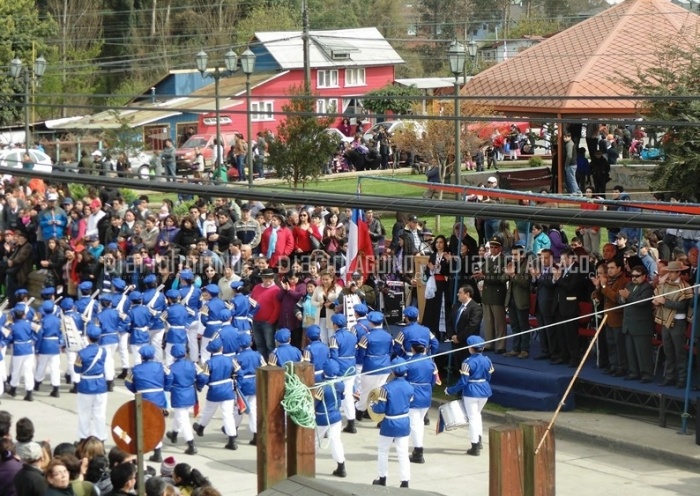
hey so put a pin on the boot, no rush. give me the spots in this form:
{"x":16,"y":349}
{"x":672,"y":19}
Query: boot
{"x":231,"y":445}
{"x":340,"y":471}
{"x":199,"y":429}
{"x":74,"y":389}
{"x":67,"y":378}
{"x":474,"y":450}
{"x":110,"y":386}
{"x":350,"y":428}
{"x":381,"y":481}
{"x":479,"y":443}
{"x":123,"y":374}
{"x":156,"y":456}
{"x":358,"y":415}
{"x":37,"y":385}
{"x":172,"y":435}
{"x":13,"y":391}
{"x":417,"y":456}
{"x":426,"y":420}
{"x":254,"y":441}
{"x":404,"y":484}
{"x":191,"y":450}
{"x":54,"y":392}
{"x":28,"y":396}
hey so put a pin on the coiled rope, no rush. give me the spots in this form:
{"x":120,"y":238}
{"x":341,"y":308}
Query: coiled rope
{"x":298,"y":401}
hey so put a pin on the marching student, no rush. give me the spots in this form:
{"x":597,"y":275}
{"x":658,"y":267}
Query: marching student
{"x":374,"y":353}
{"x":68,"y":306}
{"x":49,"y":344}
{"x":175,"y":318}
{"x":154,"y":300}
{"x":183,"y":396}
{"x":210,"y":316}
{"x":111,"y":324}
{"x":284,"y":351}
{"x":249,"y":361}
{"x":121,"y":303}
{"x":22,"y":338}
{"x":316,"y":352}
{"x":137,"y":321}
{"x":327,"y":399}
{"x":190,"y":295}
{"x":92,"y":388}
{"x":422,"y":375}
{"x":343,"y":347}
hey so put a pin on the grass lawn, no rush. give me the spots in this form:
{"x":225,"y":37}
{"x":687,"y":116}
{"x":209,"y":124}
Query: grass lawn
{"x":369,"y":186}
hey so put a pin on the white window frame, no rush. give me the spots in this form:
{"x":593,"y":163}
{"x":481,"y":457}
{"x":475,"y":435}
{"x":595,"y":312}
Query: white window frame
{"x":327,"y":78}
{"x":325,"y":105}
{"x":262,"y":111}
{"x":355,"y":76}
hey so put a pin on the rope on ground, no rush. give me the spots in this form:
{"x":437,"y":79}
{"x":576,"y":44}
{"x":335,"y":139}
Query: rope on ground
{"x":298,"y":401}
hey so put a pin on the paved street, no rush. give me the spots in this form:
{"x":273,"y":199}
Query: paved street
{"x":582,"y":469}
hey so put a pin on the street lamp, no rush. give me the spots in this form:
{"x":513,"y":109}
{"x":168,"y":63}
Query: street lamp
{"x":230,"y":62}
{"x":457,"y":56}
{"x":248,"y":65}
{"x":16,"y":71}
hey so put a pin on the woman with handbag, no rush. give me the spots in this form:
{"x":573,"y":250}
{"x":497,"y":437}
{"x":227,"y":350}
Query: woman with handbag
{"x":306,"y":236}
{"x":438,"y":268}
{"x":53,"y":263}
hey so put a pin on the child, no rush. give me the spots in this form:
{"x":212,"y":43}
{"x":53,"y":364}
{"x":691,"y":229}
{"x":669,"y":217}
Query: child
{"x":474,"y":379}
{"x":209,"y":227}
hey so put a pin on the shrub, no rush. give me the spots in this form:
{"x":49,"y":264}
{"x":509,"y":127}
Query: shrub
{"x":535,"y":162}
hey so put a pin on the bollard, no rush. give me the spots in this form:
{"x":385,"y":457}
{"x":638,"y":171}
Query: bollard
{"x":271,"y":451}
{"x":505,"y":461}
{"x":301,"y":447}
{"x":538,"y":468}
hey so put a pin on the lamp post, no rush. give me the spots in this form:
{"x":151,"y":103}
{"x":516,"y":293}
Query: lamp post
{"x":230,"y":62}
{"x":456,"y":56}
{"x":248,"y":65}
{"x":16,"y":71}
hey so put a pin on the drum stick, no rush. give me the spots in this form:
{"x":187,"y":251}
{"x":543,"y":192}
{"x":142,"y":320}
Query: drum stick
{"x":571,"y":384}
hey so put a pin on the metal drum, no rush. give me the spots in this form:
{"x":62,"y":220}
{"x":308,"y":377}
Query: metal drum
{"x":75,"y":341}
{"x":373,"y":398}
{"x":453,"y":415}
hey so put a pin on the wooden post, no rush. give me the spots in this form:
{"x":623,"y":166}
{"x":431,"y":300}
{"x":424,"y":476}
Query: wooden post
{"x":301,"y":447}
{"x":272,"y":462}
{"x":505,"y":461}
{"x":138,"y":422}
{"x":538,"y":467}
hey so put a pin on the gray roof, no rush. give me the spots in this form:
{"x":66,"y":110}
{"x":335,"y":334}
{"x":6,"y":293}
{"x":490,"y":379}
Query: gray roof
{"x":358,"y":47}
{"x":429,"y":83}
{"x":304,"y":486}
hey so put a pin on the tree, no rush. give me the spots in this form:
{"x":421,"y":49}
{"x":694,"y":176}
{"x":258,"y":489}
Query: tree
{"x":303,"y":147}
{"x":674,"y":72}
{"x":382,"y":100}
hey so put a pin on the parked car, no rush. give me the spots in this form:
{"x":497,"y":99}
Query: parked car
{"x":393,"y":126}
{"x":339,"y":135}
{"x":184,"y":155}
{"x":13,"y":158}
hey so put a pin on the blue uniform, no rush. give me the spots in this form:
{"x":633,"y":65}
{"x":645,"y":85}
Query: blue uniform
{"x":474,"y":377}
{"x":149,"y":379}
{"x":249,"y":360}
{"x":111,"y":325}
{"x":118,"y":298}
{"x":318,"y":354}
{"x":90,"y":363}
{"x":181,"y":383}
{"x":361,"y":328}
{"x":155,"y":303}
{"x":409,"y":335}
{"x":394,"y":401}
{"x":284,"y":353}
{"x":50,"y":338}
{"x":242,"y":313}
{"x":211,"y":317}
{"x":374,"y":351}
{"x":422,"y":375}
{"x":343,"y":347}
{"x":190,"y":297}
{"x":229,"y":337}
{"x":83,"y":302}
{"x":139,"y":319}
{"x":217,"y":374}
{"x":177,"y":317}
{"x":22,"y":338}
{"x":327,"y":400}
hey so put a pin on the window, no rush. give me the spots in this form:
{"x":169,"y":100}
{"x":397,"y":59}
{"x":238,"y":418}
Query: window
{"x":355,"y":76}
{"x":261,"y":111}
{"x":154,"y":136}
{"x":326,"y":106}
{"x":327,"y":79}
{"x":412,"y":29}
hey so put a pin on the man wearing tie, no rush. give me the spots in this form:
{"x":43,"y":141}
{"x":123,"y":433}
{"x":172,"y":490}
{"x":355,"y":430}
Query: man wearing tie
{"x":493,"y":297}
{"x":544,"y":306}
{"x":464,"y":321}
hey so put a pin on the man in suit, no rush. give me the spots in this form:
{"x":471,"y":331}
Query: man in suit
{"x":464,"y":321}
{"x":638,"y":325}
{"x":567,"y":280}
{"x":493,"y":296}
{"x":541,"y":276}
{"x":519,"y":302}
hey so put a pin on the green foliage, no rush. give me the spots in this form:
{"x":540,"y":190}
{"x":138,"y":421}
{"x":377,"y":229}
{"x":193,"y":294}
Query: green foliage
{"x":183,"y":209}
{"x":124,"y":138}
{"x":129,"y":195}
{"x":533,"y":27}
{"x":383,"y":99}
{"x":303,"y":147}
{"x":78,"y":191}
{"x":126,"y":91}
{"x":276,"y":17}
{"x":535,"y":162}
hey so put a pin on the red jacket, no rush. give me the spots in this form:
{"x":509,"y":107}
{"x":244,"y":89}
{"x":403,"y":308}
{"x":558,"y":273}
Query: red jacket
{"x":268,"y":303}
{"x":283,"y":248}
{"x":302,"y":238}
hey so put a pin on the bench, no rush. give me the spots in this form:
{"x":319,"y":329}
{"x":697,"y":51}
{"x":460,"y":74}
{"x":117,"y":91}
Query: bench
{"x":533,"y":179}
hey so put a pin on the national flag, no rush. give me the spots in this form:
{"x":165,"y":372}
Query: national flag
{"x":360,"y":251}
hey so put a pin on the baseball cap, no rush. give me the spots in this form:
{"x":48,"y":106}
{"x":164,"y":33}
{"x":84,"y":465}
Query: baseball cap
{"x":412,"y":218}
{"x":97,"y":153}
{"x":52,"y":197}
{"x":492,"y":179}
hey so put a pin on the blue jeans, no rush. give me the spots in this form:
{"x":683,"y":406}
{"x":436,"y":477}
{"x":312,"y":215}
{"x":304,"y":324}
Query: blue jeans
{"x":240,"y":165}
{"x":264,"y":337}
{"x":571,"y":184}
{"x":169,"y":171}
{"x":490,"y":228}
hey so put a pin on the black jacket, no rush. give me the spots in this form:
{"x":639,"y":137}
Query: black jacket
{"x":29,"y":481}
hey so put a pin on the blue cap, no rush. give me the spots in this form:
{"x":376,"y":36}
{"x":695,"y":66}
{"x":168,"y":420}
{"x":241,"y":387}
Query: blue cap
{"x":147,"y":352}
{"x":66,"y":304}
{"x":112,"y":246}
{"x":215,"y":345}
{"x":475,"y":341}
{"x":331,"y":369}
{"x":361,"y":309}
{"x":135,"y":296}
{"x":178,"y":351}
{"x":420,"y":342}
{"x":313,"y":332}
{"x":85,"y":286}
{"x":149,"y":279}
{"x":283,"y":335}
{"x":399,"y":366}
{"x":119,"y":284}
{"x":212,"y":289}
{"x":237,"y":285}
{"x":411,"y":313}
{"x":106,"y":297}
{"x":47,"y":307}
{"x":21,"y":292}
{"x":245,"y":340}
{"x":375,"y":318}
{"x":19,"y":308}
{"x":46,"y":292}
{"x":93,"y":332}
{"x":225,"y":315}
{"x":339,"y":320}
{"x":172,"y":293}
{"x":186,"y":274}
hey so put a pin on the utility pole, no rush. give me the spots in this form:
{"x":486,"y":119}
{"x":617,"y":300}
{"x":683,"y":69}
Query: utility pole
{"x":305,"y":38}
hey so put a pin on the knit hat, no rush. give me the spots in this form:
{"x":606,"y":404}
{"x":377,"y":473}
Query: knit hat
{"x":167,"y":467}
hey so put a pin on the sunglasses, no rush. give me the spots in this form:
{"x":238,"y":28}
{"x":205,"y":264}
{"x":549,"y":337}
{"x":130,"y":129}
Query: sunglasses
{"x":637,"y":275}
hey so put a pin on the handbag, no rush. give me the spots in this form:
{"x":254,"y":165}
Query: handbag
{"x":430,"y":288}
{"x":315,"y":243}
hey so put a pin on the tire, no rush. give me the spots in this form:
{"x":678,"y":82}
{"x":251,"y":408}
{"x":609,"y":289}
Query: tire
{"x":144,"y":172}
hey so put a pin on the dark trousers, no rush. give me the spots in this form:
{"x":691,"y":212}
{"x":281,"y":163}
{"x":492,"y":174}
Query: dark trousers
{"x":674,"y":349}
{"x":547,"y":335}
{"x":617,"y":354}
{"x":519,"y":322}
{"x":566,"y":339}
{"x":639,"y":355}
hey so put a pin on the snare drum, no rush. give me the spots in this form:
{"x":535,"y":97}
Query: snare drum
{"x":453,"y":415}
